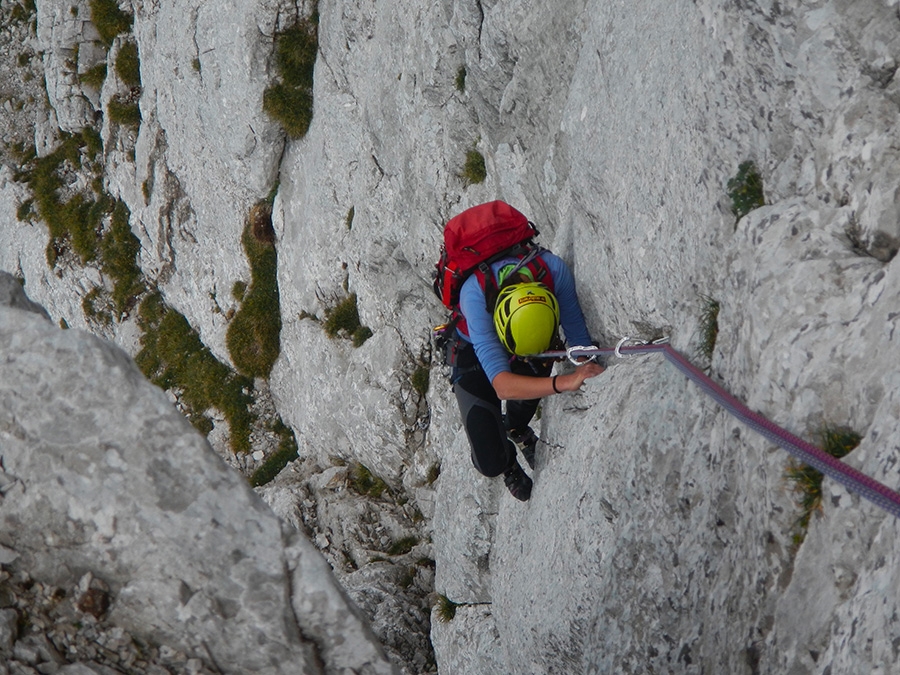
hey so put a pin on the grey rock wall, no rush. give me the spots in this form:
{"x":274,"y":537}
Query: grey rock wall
{"x":101,"y":474}
{"x":660,"y":534}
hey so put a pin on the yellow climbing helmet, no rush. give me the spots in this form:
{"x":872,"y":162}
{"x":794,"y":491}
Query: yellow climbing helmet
{"x":526,"y":318}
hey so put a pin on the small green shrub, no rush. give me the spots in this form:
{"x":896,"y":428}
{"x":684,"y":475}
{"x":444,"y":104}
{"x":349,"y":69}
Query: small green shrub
{"x":254,"y":334}
{"x":746,"y":190}
{"x":128,"y":65}
{"x":807,"y":481}
{"x":365,"y":483}
{"x":124,"y":112}
{"x":290,"y":101}
{"x":709,"y":326}
{"x":461,"y":79}
{"x":348,"y":221}
{"x":274,"y":463}
{"x":109,"y":20}
{"x":446,"y":609}
{"x":195,"y":64}
{"x":474,"y":170}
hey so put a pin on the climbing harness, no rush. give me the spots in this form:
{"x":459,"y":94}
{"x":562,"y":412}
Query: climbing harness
{"x":854,"y":480}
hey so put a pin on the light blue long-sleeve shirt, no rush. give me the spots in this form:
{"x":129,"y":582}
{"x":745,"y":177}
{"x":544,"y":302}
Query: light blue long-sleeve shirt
{"x":490,"y":351}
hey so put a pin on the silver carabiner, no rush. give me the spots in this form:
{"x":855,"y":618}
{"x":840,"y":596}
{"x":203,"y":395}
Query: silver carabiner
{"x":570,"y":354}
{"x":625,"y":340}
{"x":638,"y":341}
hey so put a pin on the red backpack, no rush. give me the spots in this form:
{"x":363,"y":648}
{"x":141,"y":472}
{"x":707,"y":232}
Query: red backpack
{"x":473,"y":240}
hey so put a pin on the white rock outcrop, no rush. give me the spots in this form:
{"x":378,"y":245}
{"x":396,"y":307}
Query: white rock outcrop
{"x":100,"y":473}
{"x":660,"y":535}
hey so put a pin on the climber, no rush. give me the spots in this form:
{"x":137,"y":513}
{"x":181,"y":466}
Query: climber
{"x":535,"y":295}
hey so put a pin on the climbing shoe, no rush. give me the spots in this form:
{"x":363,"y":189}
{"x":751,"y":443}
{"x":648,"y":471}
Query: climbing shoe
{"x":526,"y":441}
{"x":518,"y":483}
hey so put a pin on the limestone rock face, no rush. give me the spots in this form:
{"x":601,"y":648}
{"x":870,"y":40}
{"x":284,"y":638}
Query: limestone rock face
{"x":661,"y":534}
{"x":102,"y":474}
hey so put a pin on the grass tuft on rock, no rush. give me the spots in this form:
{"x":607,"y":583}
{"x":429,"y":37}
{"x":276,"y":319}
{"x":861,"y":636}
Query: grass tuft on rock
{"x":109,"y":20}
{"x":460,"y":81}
{"x":474,"y":170}
{"x":342,"y":320}
{"x":254,"y":334}
{"x":446,"y":609}
{"x":362,"y":481}
{"x":173,"y":357}
{"x":709,"y":326}
{"x":402,"y":546}
{"x":128,"y":65}
{"x":94,"y":76}
{"x":420,"y":380}
{"x":124,"y":112}
{"x":97,"y":307}
{"x":119,"y":251}
{"x":806,"y":481}
{"x":73,"y":218}
{"x":274,"y":463}
{"x":290,"y":101}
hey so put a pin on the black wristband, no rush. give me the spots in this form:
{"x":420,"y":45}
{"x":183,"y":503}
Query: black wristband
{"x":553,"y":382}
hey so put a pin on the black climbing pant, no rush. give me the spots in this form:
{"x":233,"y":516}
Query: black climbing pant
{"x":480,"y":408}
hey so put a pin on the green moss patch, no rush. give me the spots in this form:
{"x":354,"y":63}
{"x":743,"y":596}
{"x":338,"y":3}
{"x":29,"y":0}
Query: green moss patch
{"x":173,"y":357}
{"x":274,"y":463}
{"x":123,"y":111}
{"x":342,"y":320}
{"x":109,"y":20}
{"x":474,"y":170}
{"x":94,"y":76}
{"x":254,"y":334}
{"x":365,"y":483}
{"x":128,"y":66}
{"x":71,"y":218}
{"x":290,"y":101}
{"x":119,"y":250}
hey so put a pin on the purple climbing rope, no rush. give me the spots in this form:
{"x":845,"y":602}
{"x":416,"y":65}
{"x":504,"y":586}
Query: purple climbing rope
{"x":846,"y":475}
